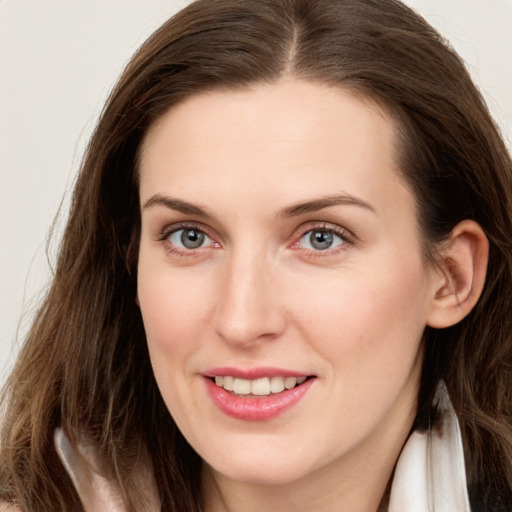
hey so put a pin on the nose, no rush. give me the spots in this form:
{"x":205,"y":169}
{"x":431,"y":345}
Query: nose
{"x":249,"y":309}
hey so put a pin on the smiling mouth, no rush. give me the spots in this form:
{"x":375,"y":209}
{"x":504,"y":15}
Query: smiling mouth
{"x":257,"y":388}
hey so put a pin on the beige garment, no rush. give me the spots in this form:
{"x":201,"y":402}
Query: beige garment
{"x":429,"y":475}
{"x":97,"y":493}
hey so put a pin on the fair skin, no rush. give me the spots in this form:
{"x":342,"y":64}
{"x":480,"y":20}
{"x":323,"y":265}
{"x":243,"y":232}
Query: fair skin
{"x":234,"y":273}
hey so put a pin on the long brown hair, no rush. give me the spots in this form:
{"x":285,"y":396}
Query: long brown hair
{"x":85,"y":364}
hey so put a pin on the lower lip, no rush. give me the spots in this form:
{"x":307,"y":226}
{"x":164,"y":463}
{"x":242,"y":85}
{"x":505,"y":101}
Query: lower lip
{"x":256,"y":409}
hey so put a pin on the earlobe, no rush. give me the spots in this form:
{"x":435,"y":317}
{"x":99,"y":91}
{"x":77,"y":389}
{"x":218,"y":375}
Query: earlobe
{"x":460,"y":275}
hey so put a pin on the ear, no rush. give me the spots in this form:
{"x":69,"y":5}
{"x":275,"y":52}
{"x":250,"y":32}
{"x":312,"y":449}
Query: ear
{"x":460,"y":275}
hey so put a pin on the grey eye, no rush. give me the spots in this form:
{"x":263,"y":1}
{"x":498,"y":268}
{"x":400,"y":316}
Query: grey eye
{"x":189,"y":238}
{"x":320,"y":240}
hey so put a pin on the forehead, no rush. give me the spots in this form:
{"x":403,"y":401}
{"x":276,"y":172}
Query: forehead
{"x":283,"y":139}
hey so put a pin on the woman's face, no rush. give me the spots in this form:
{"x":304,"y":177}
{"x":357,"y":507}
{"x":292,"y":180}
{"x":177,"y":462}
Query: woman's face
{"x":280,"y":242}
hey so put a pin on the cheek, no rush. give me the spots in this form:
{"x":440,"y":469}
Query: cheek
{"x":173,"y":307}
{"x":368,"y":330}
{"x":367,"y":323}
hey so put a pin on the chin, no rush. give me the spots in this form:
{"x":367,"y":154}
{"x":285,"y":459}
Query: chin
{"x":259,"y":468}
{"x":263,"y":475}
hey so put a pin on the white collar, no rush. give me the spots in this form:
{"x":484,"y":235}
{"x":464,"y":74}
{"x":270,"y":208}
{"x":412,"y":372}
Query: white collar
{"x":429,"y":475}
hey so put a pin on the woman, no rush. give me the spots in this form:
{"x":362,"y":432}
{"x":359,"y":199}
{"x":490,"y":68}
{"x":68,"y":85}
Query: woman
{"x":285,"y":280}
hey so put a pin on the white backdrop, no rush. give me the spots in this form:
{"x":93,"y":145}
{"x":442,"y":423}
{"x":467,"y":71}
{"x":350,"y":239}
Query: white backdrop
{"x":58,"y":61}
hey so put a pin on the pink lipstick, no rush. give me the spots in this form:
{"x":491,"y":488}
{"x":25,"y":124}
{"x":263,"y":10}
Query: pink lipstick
{"x":273,"y":391}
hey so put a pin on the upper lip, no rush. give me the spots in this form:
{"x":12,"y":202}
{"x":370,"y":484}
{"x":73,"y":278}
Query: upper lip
{"x":253,"y":373}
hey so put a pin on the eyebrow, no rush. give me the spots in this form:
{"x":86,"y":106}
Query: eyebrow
{"x":178,"y":205}
{"x":290,"y":211}
{"x":324,"y":202}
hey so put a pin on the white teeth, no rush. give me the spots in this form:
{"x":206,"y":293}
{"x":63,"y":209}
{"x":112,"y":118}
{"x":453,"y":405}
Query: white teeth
{"x":257,"y":387}
{"x":228,"y":383}
{"x":290,"y":382}
{"x":276,"y":384}
{"x":260,"y":387}
{"x":242,"y":386}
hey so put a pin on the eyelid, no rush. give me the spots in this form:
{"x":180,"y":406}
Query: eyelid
{"x":346,"y":235}
{"x":176,"y":226}
{"x":170,"y":229}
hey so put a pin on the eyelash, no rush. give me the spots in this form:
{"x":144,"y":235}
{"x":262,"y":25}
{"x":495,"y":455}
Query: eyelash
{"x":170,"y":230}
{"x":346,"y":237}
